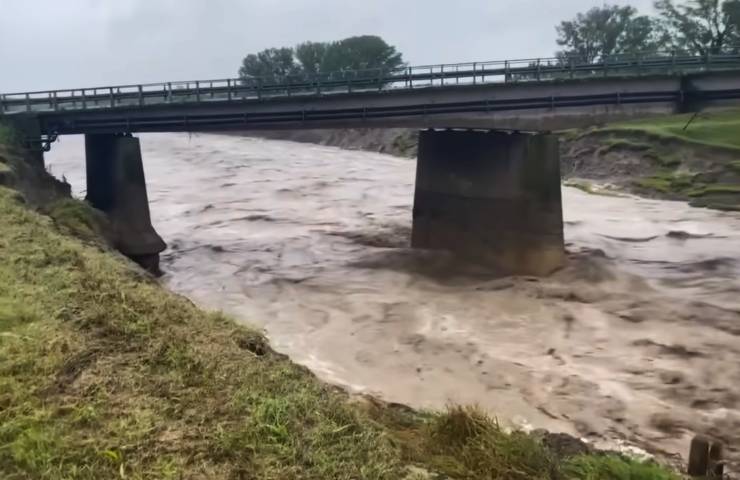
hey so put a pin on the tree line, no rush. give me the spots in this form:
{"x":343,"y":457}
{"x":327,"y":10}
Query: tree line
{"x":361,"y":53}
{"x":692,"y":27}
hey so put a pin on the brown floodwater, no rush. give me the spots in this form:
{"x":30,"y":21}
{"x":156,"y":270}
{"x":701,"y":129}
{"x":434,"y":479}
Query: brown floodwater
{"x":635,"y":342}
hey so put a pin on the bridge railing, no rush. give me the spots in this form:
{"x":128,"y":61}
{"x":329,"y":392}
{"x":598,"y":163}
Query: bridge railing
{"x":356,"y":81}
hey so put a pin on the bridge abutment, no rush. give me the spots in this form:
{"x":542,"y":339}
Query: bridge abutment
{"x":493,"y":197}
{"x":116,"y":186}
{"x":28,"y":127}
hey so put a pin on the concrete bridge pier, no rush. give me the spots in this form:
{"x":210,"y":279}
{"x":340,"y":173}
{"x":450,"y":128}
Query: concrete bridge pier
{"x":116,"y":186}
{"x":493,"y":197}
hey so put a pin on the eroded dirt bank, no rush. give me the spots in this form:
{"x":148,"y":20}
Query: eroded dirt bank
{"x":400,"y":142}
{"x":598,"y":160}
{"x":637,"y":340}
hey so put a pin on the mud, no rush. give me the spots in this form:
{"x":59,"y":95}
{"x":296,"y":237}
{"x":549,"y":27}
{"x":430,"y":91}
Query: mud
{"x":635,"y":342}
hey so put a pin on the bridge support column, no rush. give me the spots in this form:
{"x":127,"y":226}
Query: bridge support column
{"x":116,"y":185}
{"x":493,"y":197}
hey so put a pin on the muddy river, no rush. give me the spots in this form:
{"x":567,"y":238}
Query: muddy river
{"x":635,"y":342}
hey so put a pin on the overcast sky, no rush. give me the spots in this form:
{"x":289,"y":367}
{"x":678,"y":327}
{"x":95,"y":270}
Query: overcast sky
{"x":47,"y":44}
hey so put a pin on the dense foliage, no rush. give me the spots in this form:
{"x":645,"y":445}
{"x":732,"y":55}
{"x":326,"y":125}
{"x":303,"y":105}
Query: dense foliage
{"x":367,"y":52}
{"x":697,"y":27}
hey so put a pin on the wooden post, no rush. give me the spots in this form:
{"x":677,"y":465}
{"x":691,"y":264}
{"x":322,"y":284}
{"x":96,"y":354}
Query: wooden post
{"x":698,"y":456}
{"x":705,"y":458}
{"x":716,"y":465}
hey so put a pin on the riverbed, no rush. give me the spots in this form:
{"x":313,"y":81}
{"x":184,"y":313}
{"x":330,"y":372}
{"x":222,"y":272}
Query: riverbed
{"x":635,"y":342}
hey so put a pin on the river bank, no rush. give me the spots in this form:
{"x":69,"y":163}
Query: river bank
{"x":310,"y":243}
{"x":103,"y":374}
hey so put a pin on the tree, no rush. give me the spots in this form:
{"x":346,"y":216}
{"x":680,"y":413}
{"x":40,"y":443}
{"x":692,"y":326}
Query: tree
{"x":311,"y":56}
{"x":361,"y":53}
{"x":606,"y":30}
{"x":271,"y":65}
{"x":701,"y":26}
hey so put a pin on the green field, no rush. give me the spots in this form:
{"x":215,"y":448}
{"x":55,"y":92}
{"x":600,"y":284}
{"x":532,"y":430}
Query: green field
{"x":719,"y":129}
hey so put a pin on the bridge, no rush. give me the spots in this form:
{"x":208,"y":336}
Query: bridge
{"x":484,"y":188}
{"x":531,"y":94}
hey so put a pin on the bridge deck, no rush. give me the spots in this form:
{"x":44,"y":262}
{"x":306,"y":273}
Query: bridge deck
{"x":224,"y":90}
{"x":333,"y":98}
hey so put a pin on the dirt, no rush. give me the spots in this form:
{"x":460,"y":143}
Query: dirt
{"x":400,"y":142}
{"x":23,"y":172}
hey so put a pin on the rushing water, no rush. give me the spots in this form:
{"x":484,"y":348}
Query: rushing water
{"x":637,"y":340}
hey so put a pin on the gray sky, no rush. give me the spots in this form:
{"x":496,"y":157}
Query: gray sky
{"x":46,"y":44}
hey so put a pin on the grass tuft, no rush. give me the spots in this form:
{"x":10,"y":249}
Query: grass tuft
{"x":471,"y":444}
{"x":79,"y":219}
{"x":612,"y":467}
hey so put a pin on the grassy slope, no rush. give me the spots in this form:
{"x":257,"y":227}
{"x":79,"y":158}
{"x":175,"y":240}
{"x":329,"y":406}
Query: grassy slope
{"x":717,"y":129}
{"x":104,"y":374}
{"x":666,"y":142}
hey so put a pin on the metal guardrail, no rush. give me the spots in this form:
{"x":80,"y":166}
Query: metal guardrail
{"x":343,"y":82}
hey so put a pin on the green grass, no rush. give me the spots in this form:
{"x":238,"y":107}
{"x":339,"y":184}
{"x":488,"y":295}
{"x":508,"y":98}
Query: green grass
{"x":79,"y":219}
{"x":467,"y":443}
{"x":715,"y":189}
{"x":102,"y":370}
{"x":734,"y":166}
{"x":669,"y":183}
{"x":614,"y":468}
{"x":104,"y":374}
{"x":708,"y":148}
{"x":719,"y":129}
